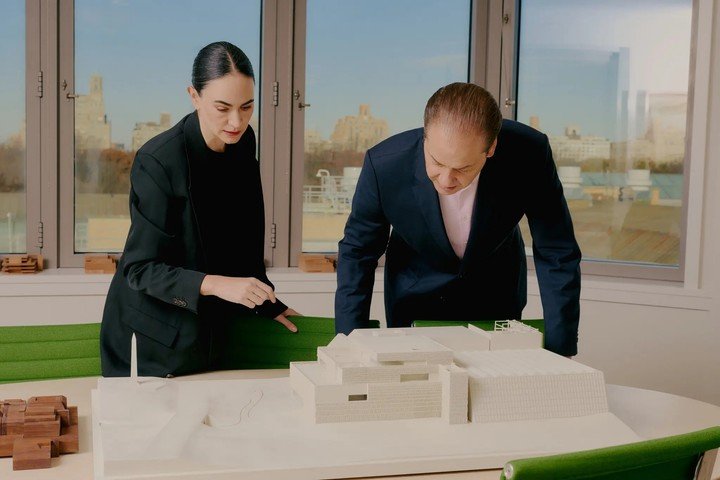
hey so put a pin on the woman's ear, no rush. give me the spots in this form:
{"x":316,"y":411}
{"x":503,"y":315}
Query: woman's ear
{"x":194,"y":96}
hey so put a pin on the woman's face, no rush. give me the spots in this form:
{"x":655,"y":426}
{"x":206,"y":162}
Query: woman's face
{"x":224,"y":108}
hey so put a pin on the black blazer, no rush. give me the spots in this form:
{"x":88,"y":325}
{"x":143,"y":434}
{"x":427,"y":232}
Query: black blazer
{"x":424,"y":279}
{"x":156,"y":289}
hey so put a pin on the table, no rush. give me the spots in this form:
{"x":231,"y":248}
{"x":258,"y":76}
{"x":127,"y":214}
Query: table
{"x":649,"y":413}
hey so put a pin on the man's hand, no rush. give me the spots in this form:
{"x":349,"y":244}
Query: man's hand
{"x":245,"y":291}
{"x":282,"y":318}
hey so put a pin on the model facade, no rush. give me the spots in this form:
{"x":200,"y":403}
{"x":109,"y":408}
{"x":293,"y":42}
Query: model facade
{"x":458,"y":374}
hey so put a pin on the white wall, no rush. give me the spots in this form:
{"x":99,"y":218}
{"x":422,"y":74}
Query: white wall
{"x":662,"y":336}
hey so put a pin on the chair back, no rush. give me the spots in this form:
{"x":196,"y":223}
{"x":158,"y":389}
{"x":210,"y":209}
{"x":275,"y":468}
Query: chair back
{"x":680,"y":457}
{"x":49,"y":351}
{"x":263,"y":343}
{"x":538,"y":323}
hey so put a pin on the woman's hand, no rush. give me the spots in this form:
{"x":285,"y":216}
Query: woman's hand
{"x":245,"y":291}
{"x":282,"y":318}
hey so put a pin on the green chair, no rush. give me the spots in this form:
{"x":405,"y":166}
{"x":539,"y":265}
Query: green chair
{"x":263,"y":343}
{"x":538,"y":323}
{"x":49,"y":351}
{"x":686,"y":456}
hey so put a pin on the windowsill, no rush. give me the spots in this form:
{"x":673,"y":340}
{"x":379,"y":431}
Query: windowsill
{"x":75,"y":282}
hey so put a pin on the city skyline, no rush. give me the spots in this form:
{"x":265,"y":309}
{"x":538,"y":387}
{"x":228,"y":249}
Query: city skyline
{"x":132,"y":98}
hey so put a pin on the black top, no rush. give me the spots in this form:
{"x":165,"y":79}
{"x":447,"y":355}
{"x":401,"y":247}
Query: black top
{"x":226,"y":191}
{"x":192,"y":213}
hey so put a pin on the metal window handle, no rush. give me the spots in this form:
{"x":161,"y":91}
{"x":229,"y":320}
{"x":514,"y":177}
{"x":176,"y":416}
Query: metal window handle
{"x":301,"y":105}
{"x":68,"y":95}
{"x":509,"y":102}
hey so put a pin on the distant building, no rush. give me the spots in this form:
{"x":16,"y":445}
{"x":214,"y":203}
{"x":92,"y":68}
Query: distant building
{"x":314,"y":142}
{"x":667,"y":116}
{"x":535,"y":122}
{"x":17,"y":140}
{"x":144,"y":131}
{"x":660,"y":125}
{"x":92,"y":128}
{"x":359,"y":132}
{"x":588,"y":86}
{"x":576,"y":148}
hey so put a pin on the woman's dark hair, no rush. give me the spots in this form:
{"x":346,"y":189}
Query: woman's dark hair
{"x":217,"y":60}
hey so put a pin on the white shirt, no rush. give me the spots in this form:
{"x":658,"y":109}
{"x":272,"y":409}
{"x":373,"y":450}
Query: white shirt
{"x":457,"y":214}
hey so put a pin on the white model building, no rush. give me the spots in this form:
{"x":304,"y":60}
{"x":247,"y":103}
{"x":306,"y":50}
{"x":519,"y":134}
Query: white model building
{"x":456,"y":373}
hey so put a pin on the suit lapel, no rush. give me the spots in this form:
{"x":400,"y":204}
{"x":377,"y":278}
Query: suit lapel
{"x":427,"y":200}
{"x":480,"y":238}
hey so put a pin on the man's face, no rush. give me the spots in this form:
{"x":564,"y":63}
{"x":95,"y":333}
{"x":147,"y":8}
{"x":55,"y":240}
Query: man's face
{"x":453,"y":159}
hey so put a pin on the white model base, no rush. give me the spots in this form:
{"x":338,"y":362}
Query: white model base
{"x":223,"y":429}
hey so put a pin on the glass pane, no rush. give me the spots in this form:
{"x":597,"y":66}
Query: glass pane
{"x":370,"y":68}
{"x":608,"y":83}
{"x":133,"y":62}
{"x":12,"y":128}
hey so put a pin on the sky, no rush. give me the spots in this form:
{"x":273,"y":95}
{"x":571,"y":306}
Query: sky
{"x":656,"y":34}
{"x":391,"y":55}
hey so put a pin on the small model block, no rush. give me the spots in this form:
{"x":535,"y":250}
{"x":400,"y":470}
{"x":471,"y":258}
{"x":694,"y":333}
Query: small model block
{"x":100,"y":264}
{"x":34,"y":431}
{"x":32,"y":454}
{"x":6,"y":444}
{"x":317,"y":263}
{"x":22,"y":264}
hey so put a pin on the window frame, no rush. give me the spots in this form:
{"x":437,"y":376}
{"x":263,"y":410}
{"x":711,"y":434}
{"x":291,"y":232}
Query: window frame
{"x":479,"y":17}
{"x":33,"y":124}
{"x":613,"y":268}
{"x":494,"y":34}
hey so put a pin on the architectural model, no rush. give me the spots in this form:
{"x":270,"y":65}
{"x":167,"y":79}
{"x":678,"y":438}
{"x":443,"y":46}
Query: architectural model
{"x":377,"y":402}
{"x":34,"y":431}
{"x":456,"y":373}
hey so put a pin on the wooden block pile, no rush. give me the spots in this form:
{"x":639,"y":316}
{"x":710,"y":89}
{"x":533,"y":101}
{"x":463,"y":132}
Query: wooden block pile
{"x":35,"y":431}
{"x":100,"y":264}
{"x":317,"y":262}
{"x":22,"y":263}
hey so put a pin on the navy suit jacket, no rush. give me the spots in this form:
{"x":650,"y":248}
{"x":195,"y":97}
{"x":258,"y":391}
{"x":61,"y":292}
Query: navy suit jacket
{"x":424,"y":278}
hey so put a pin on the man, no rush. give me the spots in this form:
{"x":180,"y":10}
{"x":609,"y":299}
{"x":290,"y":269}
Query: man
{"x":453,"y":194}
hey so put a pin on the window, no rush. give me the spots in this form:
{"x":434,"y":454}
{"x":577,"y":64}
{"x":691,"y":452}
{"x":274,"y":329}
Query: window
{"x":608,"y":83}
{"x":132,"y":65}
{"x":13,"y":143}
{"x":370,"y":67}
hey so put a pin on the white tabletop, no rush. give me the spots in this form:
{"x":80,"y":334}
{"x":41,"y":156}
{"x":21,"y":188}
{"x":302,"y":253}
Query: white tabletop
{"x":650,"y":414}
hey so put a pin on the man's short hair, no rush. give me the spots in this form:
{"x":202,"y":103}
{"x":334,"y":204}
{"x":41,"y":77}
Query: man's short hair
{"x":467,"y":108}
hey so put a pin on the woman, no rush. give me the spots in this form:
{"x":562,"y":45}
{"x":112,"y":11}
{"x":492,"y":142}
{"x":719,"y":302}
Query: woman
{"x":193,"y":259}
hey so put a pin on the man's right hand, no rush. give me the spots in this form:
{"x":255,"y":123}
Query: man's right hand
{"x":245,"y":291}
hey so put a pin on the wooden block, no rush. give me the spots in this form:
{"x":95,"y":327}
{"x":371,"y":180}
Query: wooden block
{"x":69,"y":440}
{"x":73,"y":415}
{"x":100,"y":264}
{"x":40,"y":418}
{"x":31,"y":454}
{"x":42,"y":429}
{"x":64,"y":415}
{"x":49,"y":399}
{"x":40,"y":409}
{"x":15,"y":423}
{"x":22,"y":263}
{"x":316,"y":263}
{"x":6,"y":444}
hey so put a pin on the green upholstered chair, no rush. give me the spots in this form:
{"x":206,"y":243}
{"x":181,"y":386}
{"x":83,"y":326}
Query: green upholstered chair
{"x":263,"y":343}
{"x":46,"y":352}
{"x":686,"y":456}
